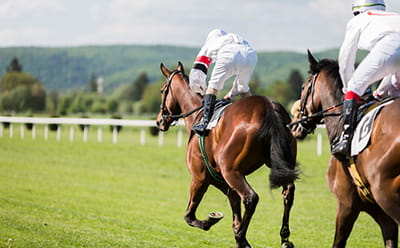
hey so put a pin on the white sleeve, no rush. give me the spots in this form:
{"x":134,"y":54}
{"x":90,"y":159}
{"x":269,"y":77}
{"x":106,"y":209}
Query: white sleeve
{"x":347,"y":54}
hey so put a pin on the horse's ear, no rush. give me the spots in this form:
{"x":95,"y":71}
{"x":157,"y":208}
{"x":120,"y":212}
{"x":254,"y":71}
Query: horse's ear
{"x":164,"y":70}
{"x":180,"y":67}
{"x":311,"y":58}
{"x":314,"y":68}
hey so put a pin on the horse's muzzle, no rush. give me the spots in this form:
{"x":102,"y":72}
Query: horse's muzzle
{"x":298,"y":131}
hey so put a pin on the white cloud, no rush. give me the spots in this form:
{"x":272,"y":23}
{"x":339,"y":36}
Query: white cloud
{"x":24,"y":37}
{"x":267,"y":24}
{"x":19,"y":8}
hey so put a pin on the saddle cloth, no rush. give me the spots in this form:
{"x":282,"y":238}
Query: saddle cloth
{"x":363,"y":130}
{"x":219,"y":108}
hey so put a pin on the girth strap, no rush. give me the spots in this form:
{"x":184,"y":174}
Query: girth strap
{"x":214,"y":174}
{"x":362,"y":188}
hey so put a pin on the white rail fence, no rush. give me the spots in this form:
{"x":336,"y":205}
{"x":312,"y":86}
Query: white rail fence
{"x":85,"y":123}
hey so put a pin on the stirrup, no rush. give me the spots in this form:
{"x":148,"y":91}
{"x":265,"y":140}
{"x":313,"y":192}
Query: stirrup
{"x":342,"y":147}
{"x":200,"y":128}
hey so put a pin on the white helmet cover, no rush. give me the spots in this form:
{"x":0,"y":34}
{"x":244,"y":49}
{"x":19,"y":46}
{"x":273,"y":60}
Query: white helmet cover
{"x":360,"y":6}
{"x":215,"y":33}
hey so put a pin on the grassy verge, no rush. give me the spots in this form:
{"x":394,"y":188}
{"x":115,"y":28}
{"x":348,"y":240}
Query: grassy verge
{"x":89,"y":194}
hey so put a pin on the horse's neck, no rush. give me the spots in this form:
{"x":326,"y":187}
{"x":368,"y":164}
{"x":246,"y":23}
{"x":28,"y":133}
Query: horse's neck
{"x":188,"y":101}
{"x":333,"y":123}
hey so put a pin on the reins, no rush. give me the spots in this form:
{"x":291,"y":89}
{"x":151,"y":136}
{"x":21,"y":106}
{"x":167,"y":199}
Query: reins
{"x":318,"y":114}
{"x":310,"y":91}
{"x":164,"y":109}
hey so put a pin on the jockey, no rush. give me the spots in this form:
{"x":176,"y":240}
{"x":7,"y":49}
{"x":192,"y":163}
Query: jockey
{"x":375,"y":30}
{"x":232,"y":55}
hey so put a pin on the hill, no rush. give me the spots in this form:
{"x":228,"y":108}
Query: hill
{"x":66,"y":68}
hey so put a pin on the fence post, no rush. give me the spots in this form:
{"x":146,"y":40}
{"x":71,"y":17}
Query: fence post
{"x":33,"y":131}
{"x":142,"y":136}
{"x":11,"y":130}
{"x":115,"y":135}
{"x":180,"y":138}
{"x":71,"y":133}
{"x":319,"y":142}
{"x":58,"y":132}
{"x":85,"y":133}
{"x":46,"y":132}
{"x":160,"y":138}
{"x":99,"y":134}
{"x":22,"y":131}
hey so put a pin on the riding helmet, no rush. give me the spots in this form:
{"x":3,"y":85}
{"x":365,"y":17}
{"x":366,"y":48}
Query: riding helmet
{"x":360,"y":6}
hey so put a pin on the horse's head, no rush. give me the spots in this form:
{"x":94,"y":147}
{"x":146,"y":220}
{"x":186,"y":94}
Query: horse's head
{"x":308,"y":104}
{"x":169,"y":104}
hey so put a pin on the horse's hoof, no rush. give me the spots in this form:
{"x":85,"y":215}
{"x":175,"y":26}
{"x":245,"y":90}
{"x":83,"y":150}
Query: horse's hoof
{"x":287,"y":244}
{"x":212,"y":219}
{"x":216,"y":216}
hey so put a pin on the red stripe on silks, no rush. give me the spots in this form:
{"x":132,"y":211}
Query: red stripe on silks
{"x":380,"y":14}
{"x":204,"y":59}
{"x":350,"y":95}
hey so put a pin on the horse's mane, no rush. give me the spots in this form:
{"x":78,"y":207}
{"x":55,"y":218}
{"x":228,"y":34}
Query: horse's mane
{"x":331,"y":67}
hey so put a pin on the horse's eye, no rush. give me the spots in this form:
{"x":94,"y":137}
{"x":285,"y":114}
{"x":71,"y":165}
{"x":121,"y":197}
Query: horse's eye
{"x":161,"y":91}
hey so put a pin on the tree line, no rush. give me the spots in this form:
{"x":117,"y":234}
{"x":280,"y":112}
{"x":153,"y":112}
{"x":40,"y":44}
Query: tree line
{"x":22,"y":93}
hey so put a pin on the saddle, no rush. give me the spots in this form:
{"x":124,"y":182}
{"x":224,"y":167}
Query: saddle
{"x":365,"y":120}
{"x":220,"y":106}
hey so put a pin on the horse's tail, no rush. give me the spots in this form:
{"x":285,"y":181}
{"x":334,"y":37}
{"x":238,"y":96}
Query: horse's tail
{"x":277,"y":137}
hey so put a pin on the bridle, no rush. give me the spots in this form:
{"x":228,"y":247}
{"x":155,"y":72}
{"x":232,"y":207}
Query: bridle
{"x":165,"y":113}
{"x":308,"y":123}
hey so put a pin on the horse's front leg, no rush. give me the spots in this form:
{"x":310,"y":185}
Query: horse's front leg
{"x":345,"y":218}
{"x":288,"y":199}
{"x":197,"y":189}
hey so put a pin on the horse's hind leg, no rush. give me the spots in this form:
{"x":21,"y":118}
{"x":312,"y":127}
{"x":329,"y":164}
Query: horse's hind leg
{"x":387,"y":194}
{"x":288,"y":198}
{"x":234,"y":200}
{"x":249,"y":198}
{"x":197,"y":190}
{"x":388,"y":227}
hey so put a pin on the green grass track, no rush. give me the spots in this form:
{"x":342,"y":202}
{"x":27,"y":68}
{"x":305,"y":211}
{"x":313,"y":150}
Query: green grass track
{"x":89,"y":194}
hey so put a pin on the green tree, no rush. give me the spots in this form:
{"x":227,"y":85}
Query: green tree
{"x":140,"y":85}
{"x":27,"y":92}
{"x":14,"y":66}
{"x":65,"y":102}
{"x":52,"y":101}
{"x":37,"y":98}
{"x":256,"y":85}
{"x":15,"y":99}
{"x":112,"y":106}
{"x":151,"y":98}
{"x":92,"y":84}
{"x":281,"y":91}
{"x":296,"y":81}
{"x":13,"y":79}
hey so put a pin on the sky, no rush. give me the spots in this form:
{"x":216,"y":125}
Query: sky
{"x":268,"y":25}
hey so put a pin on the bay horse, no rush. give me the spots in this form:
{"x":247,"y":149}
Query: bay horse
{"x":251,"y":132}
{"x":378,"y":165}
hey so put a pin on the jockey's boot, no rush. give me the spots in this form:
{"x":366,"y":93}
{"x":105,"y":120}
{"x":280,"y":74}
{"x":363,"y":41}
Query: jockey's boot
{"x":200,"y":127}
{"x":342,"y":148}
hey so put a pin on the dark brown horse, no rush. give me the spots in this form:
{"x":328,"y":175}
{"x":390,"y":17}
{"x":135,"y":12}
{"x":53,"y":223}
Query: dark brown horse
{"x":252,"y":132}
{"x":378,"y":165}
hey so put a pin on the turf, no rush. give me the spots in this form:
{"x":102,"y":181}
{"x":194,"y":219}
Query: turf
{"x":89,"y":194}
